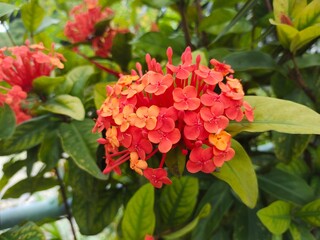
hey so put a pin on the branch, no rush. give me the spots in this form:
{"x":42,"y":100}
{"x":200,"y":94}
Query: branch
{"x":184,"y":23}
{"x":65,"y":201}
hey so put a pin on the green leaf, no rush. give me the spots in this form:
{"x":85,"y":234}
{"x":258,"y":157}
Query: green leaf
{"x":286,"y":186}
{"x":250,"y":60}
{"x":101,"y":26}
{"x":29,"y":185}
{"x":296,"y":167}
{"x":220,"y":199}
{"x":7,"y":122}
{"x":9,"y":169}
{"x":27,"y":231}
{"x":50,"y":150}
{"x":178,"y":200}
{"x":99,"y":94}
{"x":190,"y":226}
{"x":285,"y":32}
{"x":46,"y":85}
{"x":300,"y":232}
{"x":280,"y":7}
{"x":296,"y":7}
{"x":6,"y":9}
{"x":27,"y":135}
{"x":65,"y":105}
{"x":139,"y":218}
{"x":121,"y":50}
{"x":240,"y":175}
{"x":158,"y":4}
{"x":278,"y":115}
{"x":78,"y":77}
{"x":96,"y":210}
{"x":276,"y":217}
{"x":79,"y":142}
{"x":309,"y":16}
{"x":175,"y":161}
{"x":304,"y":37}
{"x":289,"y":146}
{"x":311,"y":213}
{"x":32,"y":15}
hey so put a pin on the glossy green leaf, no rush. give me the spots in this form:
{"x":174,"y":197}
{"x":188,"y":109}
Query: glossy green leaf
{"x":309,"y":16}
{"x":101,"y":26}
{"x":32,"y":15}
{"x":27,"y":231}
{"x":50,"y":150}
{"x":190,"y":226}
{"x":178,"y":200}
{"x":247,"y":225}
{"x":240,"y":175}
{"x":311,"y":213}
{"x":220,"y":199}
{"x":121,"y":50}
{"x":250,"y":60}
{"x":276,"y":217}
{"x":46,"y":85}
{"x":286,"y":186}
{"x":7,"y":121}
{"x":79,"y":142}
{"x":176,"y":161}
{"x":27,"y":135}
{"x":300,"y":232}
{"x":296,"y":167}
{"x":139,"y":218}
{"x":78,"y":77}
{"x":96,"y":210}
{"x":289,"y":146}
{"x":65,"y":105}
{"x":99,"y":94}
{"x":6,"y":9}
{"x":29,"y":185}
{"x":304,"y":37}
{"x":278,"y":115}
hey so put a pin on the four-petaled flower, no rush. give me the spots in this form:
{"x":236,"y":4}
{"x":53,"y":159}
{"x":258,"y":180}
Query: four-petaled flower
{"x":201,"y":160}
{"x":157,"y":176}
{"x":186,"y":98}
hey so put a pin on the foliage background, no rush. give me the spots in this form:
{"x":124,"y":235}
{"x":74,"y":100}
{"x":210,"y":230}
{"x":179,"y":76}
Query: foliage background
{"x":272,"y":58}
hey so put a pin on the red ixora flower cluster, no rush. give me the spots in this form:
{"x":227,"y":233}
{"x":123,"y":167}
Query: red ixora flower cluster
{"x":19,"y":66}
{"x":82,"y":26}
{"x":188,"y":106}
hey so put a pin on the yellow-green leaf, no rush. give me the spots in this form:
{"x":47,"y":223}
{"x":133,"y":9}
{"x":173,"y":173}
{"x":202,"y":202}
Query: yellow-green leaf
{"x":304,"y":37}
{"x":311,"y":213}
{"x":276,"y":217}
{"x":240,"y":175}
{"x":309,"y":16}
{"x":285,"y":32}
{"x":278,"y":115}
{"x":280,"y":7}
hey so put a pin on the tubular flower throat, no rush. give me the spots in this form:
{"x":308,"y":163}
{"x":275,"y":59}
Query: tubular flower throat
{"x":19,"y":66}
{"x":188,"y":106}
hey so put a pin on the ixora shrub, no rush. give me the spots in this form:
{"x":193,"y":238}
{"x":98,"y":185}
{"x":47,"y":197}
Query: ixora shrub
{"x":213,"y":134}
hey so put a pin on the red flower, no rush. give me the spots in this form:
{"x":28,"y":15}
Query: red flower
{"x":164,"y":139}
{"x":157,"y":177}
{"x":186,"y":98}
{"x":158,"y":83}
{"x":213,"y":118}
{"x":210,"y":76}
{"x":194,"y":128}
{"x":201,"y":160}
{"x":223,"y":68}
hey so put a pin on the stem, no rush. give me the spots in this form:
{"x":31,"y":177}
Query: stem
{"x":184,"y":23}
{"x":65,"y":201}
{"x":114,"y":73}
{"x":300,"y":81}
{"x":203,"y":35}
{"x":9,"y":35}
{"x":268,"y":5}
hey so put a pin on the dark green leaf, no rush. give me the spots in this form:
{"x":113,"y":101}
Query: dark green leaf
{"x":240,"y":175}
{"x":286,"y":186}
{"x":220,"y":199}
{"x":7,"y":121}
{"x":101,"y":26}
{"x":276,"y":217}
{"x":250,"y":60}
{"x":46,"y":85}
{"x":139,"y":218}
{"x":190,"y":226}
{"x":27,"y":231}
{"x":79,"y":142}
{"x":175,"y":161}
{"x":178,"y":200}
{"x":27,"y":135}
{"x":65,"y":105}
{"x":289,"y":146}
{"x":96,"y":209}
{"x":79,"y":77}
{"x":296,"y":167}
{"x":9,"y":169}
{"x":29,"y":185}
{"x":121,"y":50}
{"x":32,"y":15}
{"x":278,"y":115}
